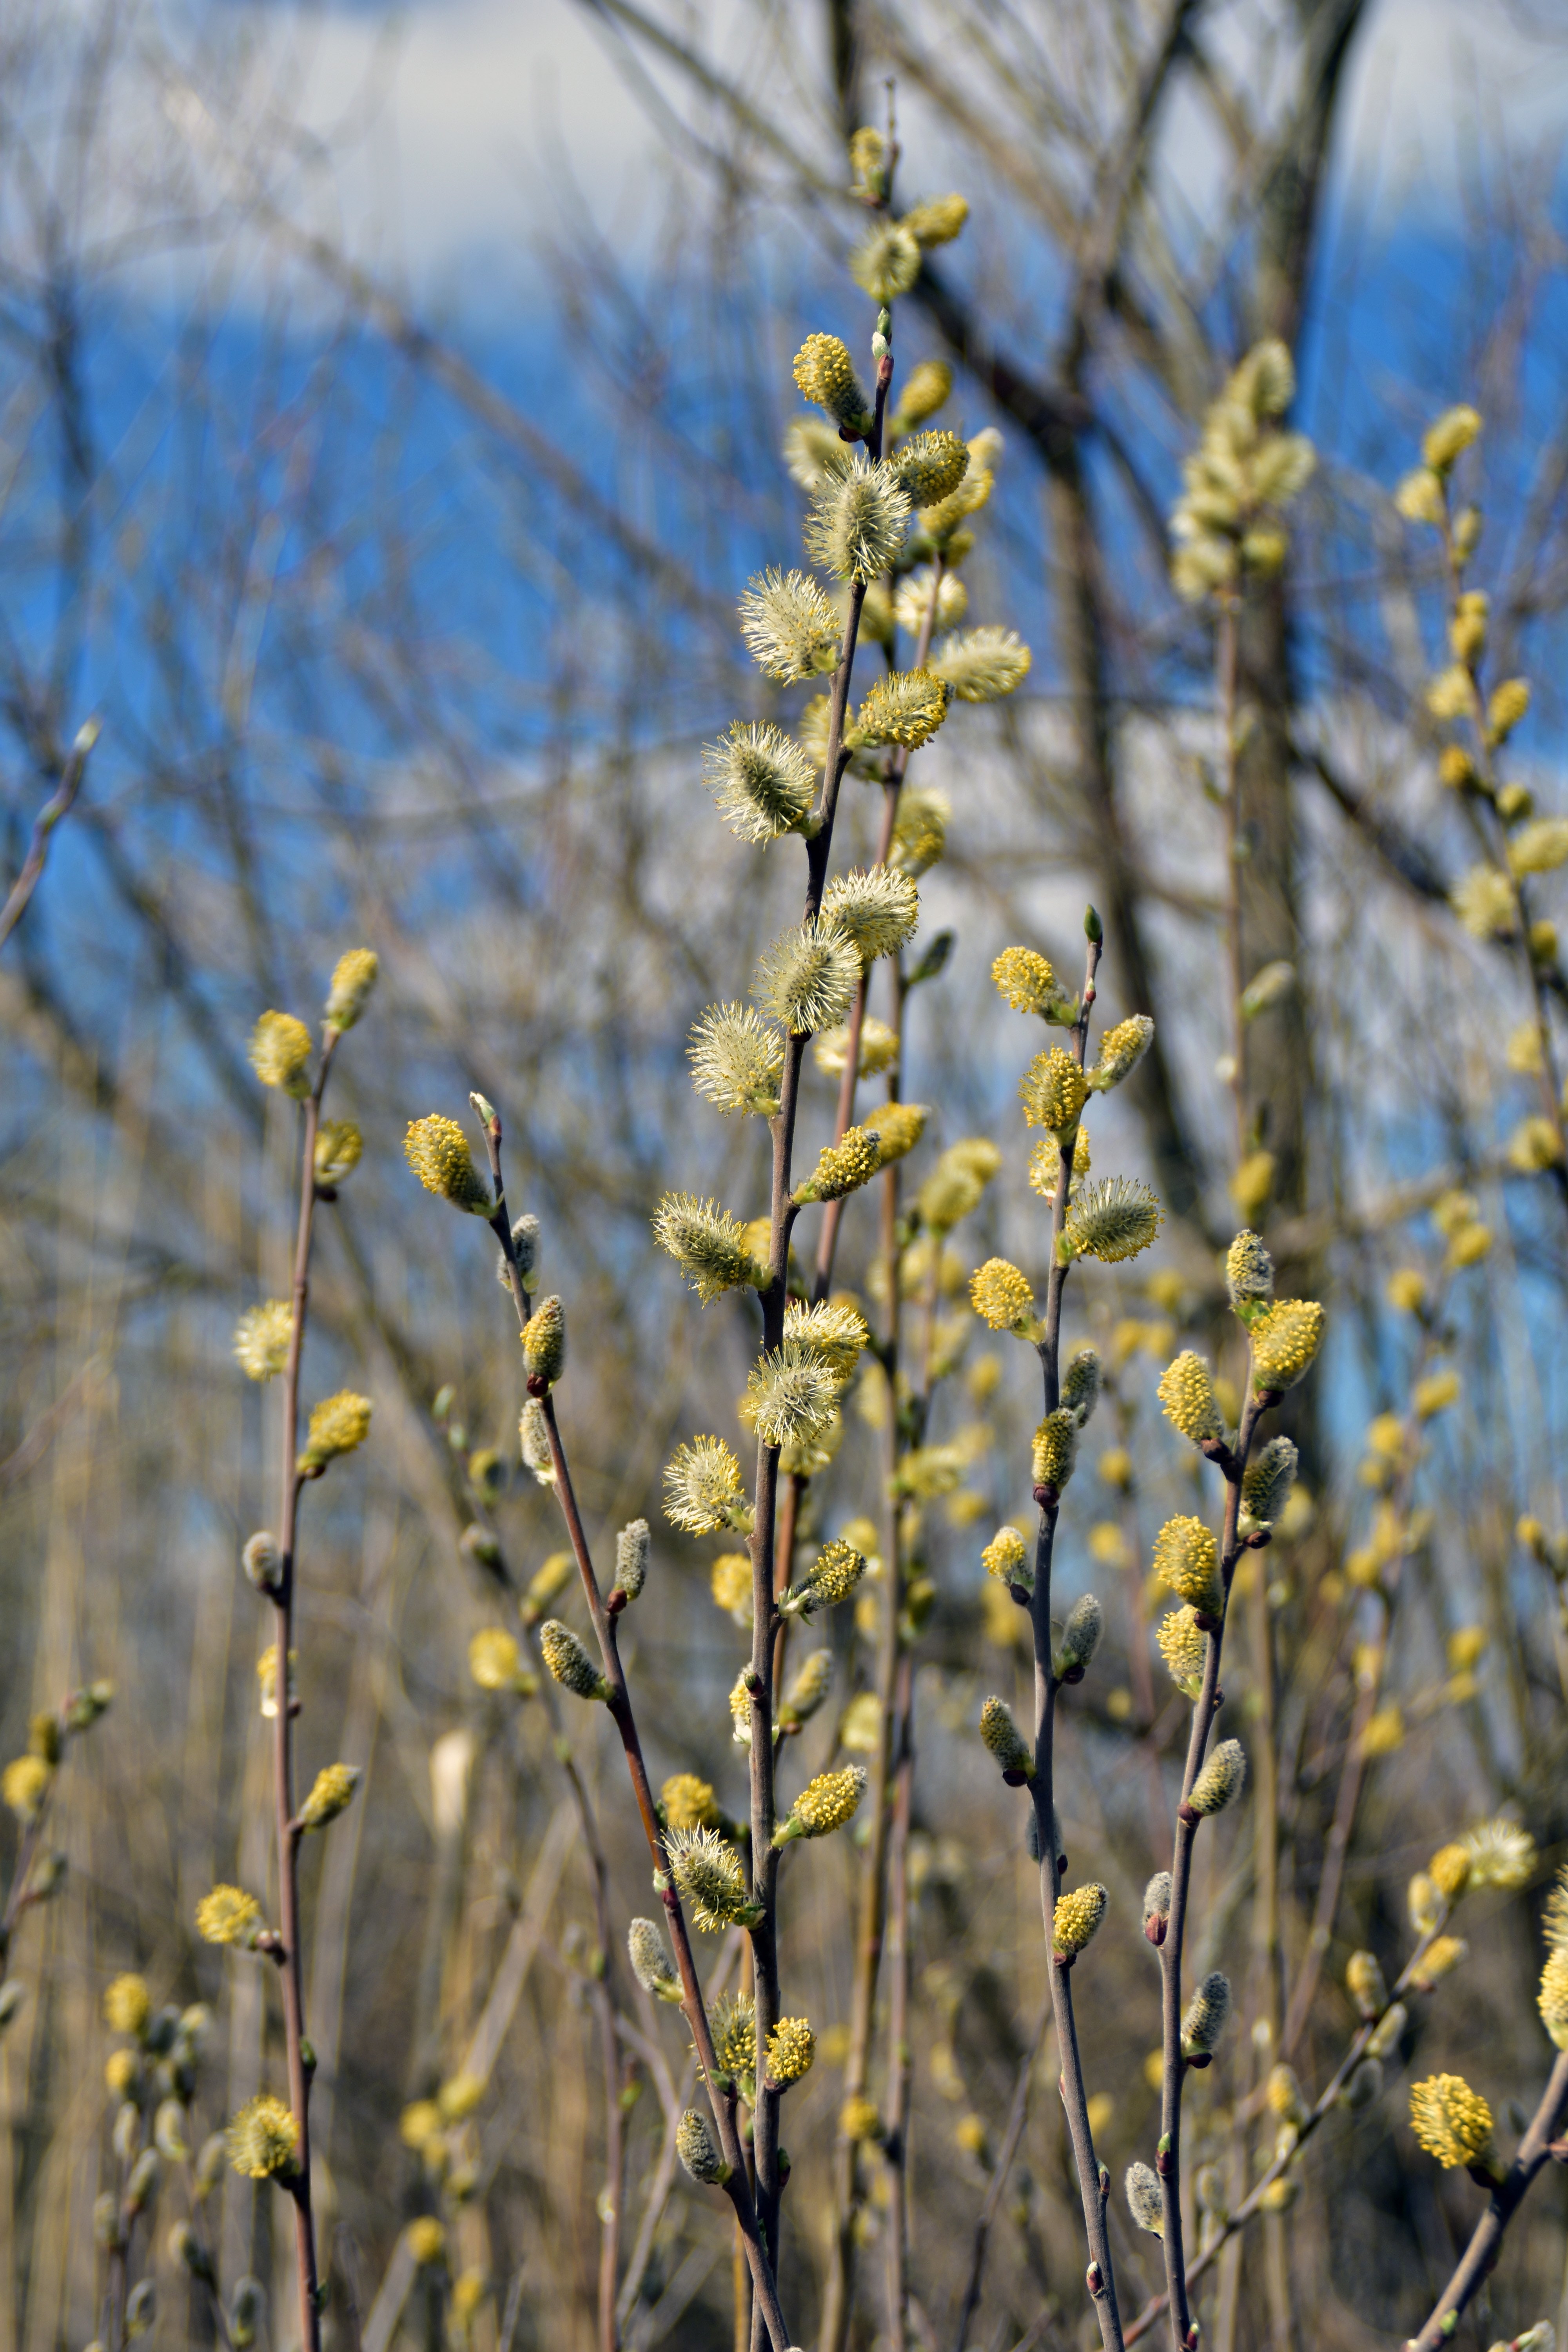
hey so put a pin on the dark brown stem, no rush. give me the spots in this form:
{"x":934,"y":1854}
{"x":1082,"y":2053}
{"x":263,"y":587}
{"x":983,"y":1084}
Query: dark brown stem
{"x":736,"y":2188}
{"x":871,"y":1922}
{"x":896,"y":2144}
{"x":1093,"y":2183}
{"x":291,"y":1959}
{"x":892,"y":785}
{"x":1204,"y":1712}
{"x":1255,"y":2201}
{"x":605,"y":2011}
{"x":619,"y":1703}
{"x":1481,"y":2253}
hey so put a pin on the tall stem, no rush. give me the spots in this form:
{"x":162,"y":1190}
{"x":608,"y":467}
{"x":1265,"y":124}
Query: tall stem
{"x":1174,"y":2065}
{"x":1094,"y":2181}
{"x":871,"y":1918}
{"x":893,"y":786}
{"x":896,"y":2144}
{"x":736,"y":2187}
{"x":290,"y":1957}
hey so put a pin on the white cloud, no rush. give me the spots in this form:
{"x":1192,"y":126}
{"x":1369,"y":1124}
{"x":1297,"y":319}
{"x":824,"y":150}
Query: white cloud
{"x":450,"y":134}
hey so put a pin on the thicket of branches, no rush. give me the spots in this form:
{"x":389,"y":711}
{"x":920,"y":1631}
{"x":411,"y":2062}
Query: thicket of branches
{"x":386,"y":650}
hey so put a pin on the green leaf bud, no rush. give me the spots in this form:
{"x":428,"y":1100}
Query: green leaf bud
{"x":632,"y":1548}
{"x":1080,"y":1385}
{"x":652,"y":1963}
{"x":1080,"y":1638}
{"x":1145,"y":2201}
{"x":1005,"y":1741}
{"x":569,"y":1662}
{"x":544,"y":1342}
{"x":1206,"y":2016}
{"x":694,"y":2146}
{"x":1249,"y":1275}
{"x":1220,"y":1779}
{"x":352,"y":980}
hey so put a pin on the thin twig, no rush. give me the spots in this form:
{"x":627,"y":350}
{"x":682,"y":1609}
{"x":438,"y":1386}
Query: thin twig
{"x":736,"y":2187}
{"x":1481,"y":2254}
{"x":56,"y":806}
{"x":1094,"y":2181}
{"x":289,"y":1832}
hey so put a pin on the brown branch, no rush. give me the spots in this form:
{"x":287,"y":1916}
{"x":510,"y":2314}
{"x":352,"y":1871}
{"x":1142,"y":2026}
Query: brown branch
{"x":1481,"y":2253}
{"x":1092,"y":2181}
{"x":289,"y":1832}
{"x":736,"y":2187}
{"x":1257,"y":2199}
{"x":1175,"y":2066}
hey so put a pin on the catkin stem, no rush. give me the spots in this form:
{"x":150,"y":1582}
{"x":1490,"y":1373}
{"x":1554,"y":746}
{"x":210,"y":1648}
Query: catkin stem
{"x":1091,"y":2188}
{"x":892,"y":785}
{"x":289,"y":1833}
{"x":736,"y":2188}
{"x":1174,"y":2065}
{"x":1326,"y":2104}
{"x":620,"y":1707}
{"x":896,"y":2146}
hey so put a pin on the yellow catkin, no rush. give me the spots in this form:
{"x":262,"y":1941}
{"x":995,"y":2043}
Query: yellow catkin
{"x":1452,"y":2122}
{"x":1553,"y":1998}
{"x":262,"y":2138}
{"x":791,"y":2046}
{"x":427,"y":2242}
{"x":1053,"y":1091}
{"x":1005,"y":1556}
{"x":825,"y":374}
{"x":281,"y":1054}
{"x":1449,"y":1871}
{"x":1001,"y":1294}
{"x":1025,"y":979}
{"x":1076,"y":1919}
{"x":688,"y":1802}
{"x":1186,"y":1558}
{"x":127,"y":2005}
{"x":1285,"y":1341}
{"x":226,"y":1915}
{"x":1186,"y":1393}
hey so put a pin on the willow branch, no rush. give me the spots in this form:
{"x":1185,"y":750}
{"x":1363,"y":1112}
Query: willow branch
{"x":1169,"y":2160}
{"x":1094,"y":2181}
{"x":288,"y":1956}
{"x":736,"y":2187}
{"x":1256,"y":2201}
{"x":1486,"y":2243}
